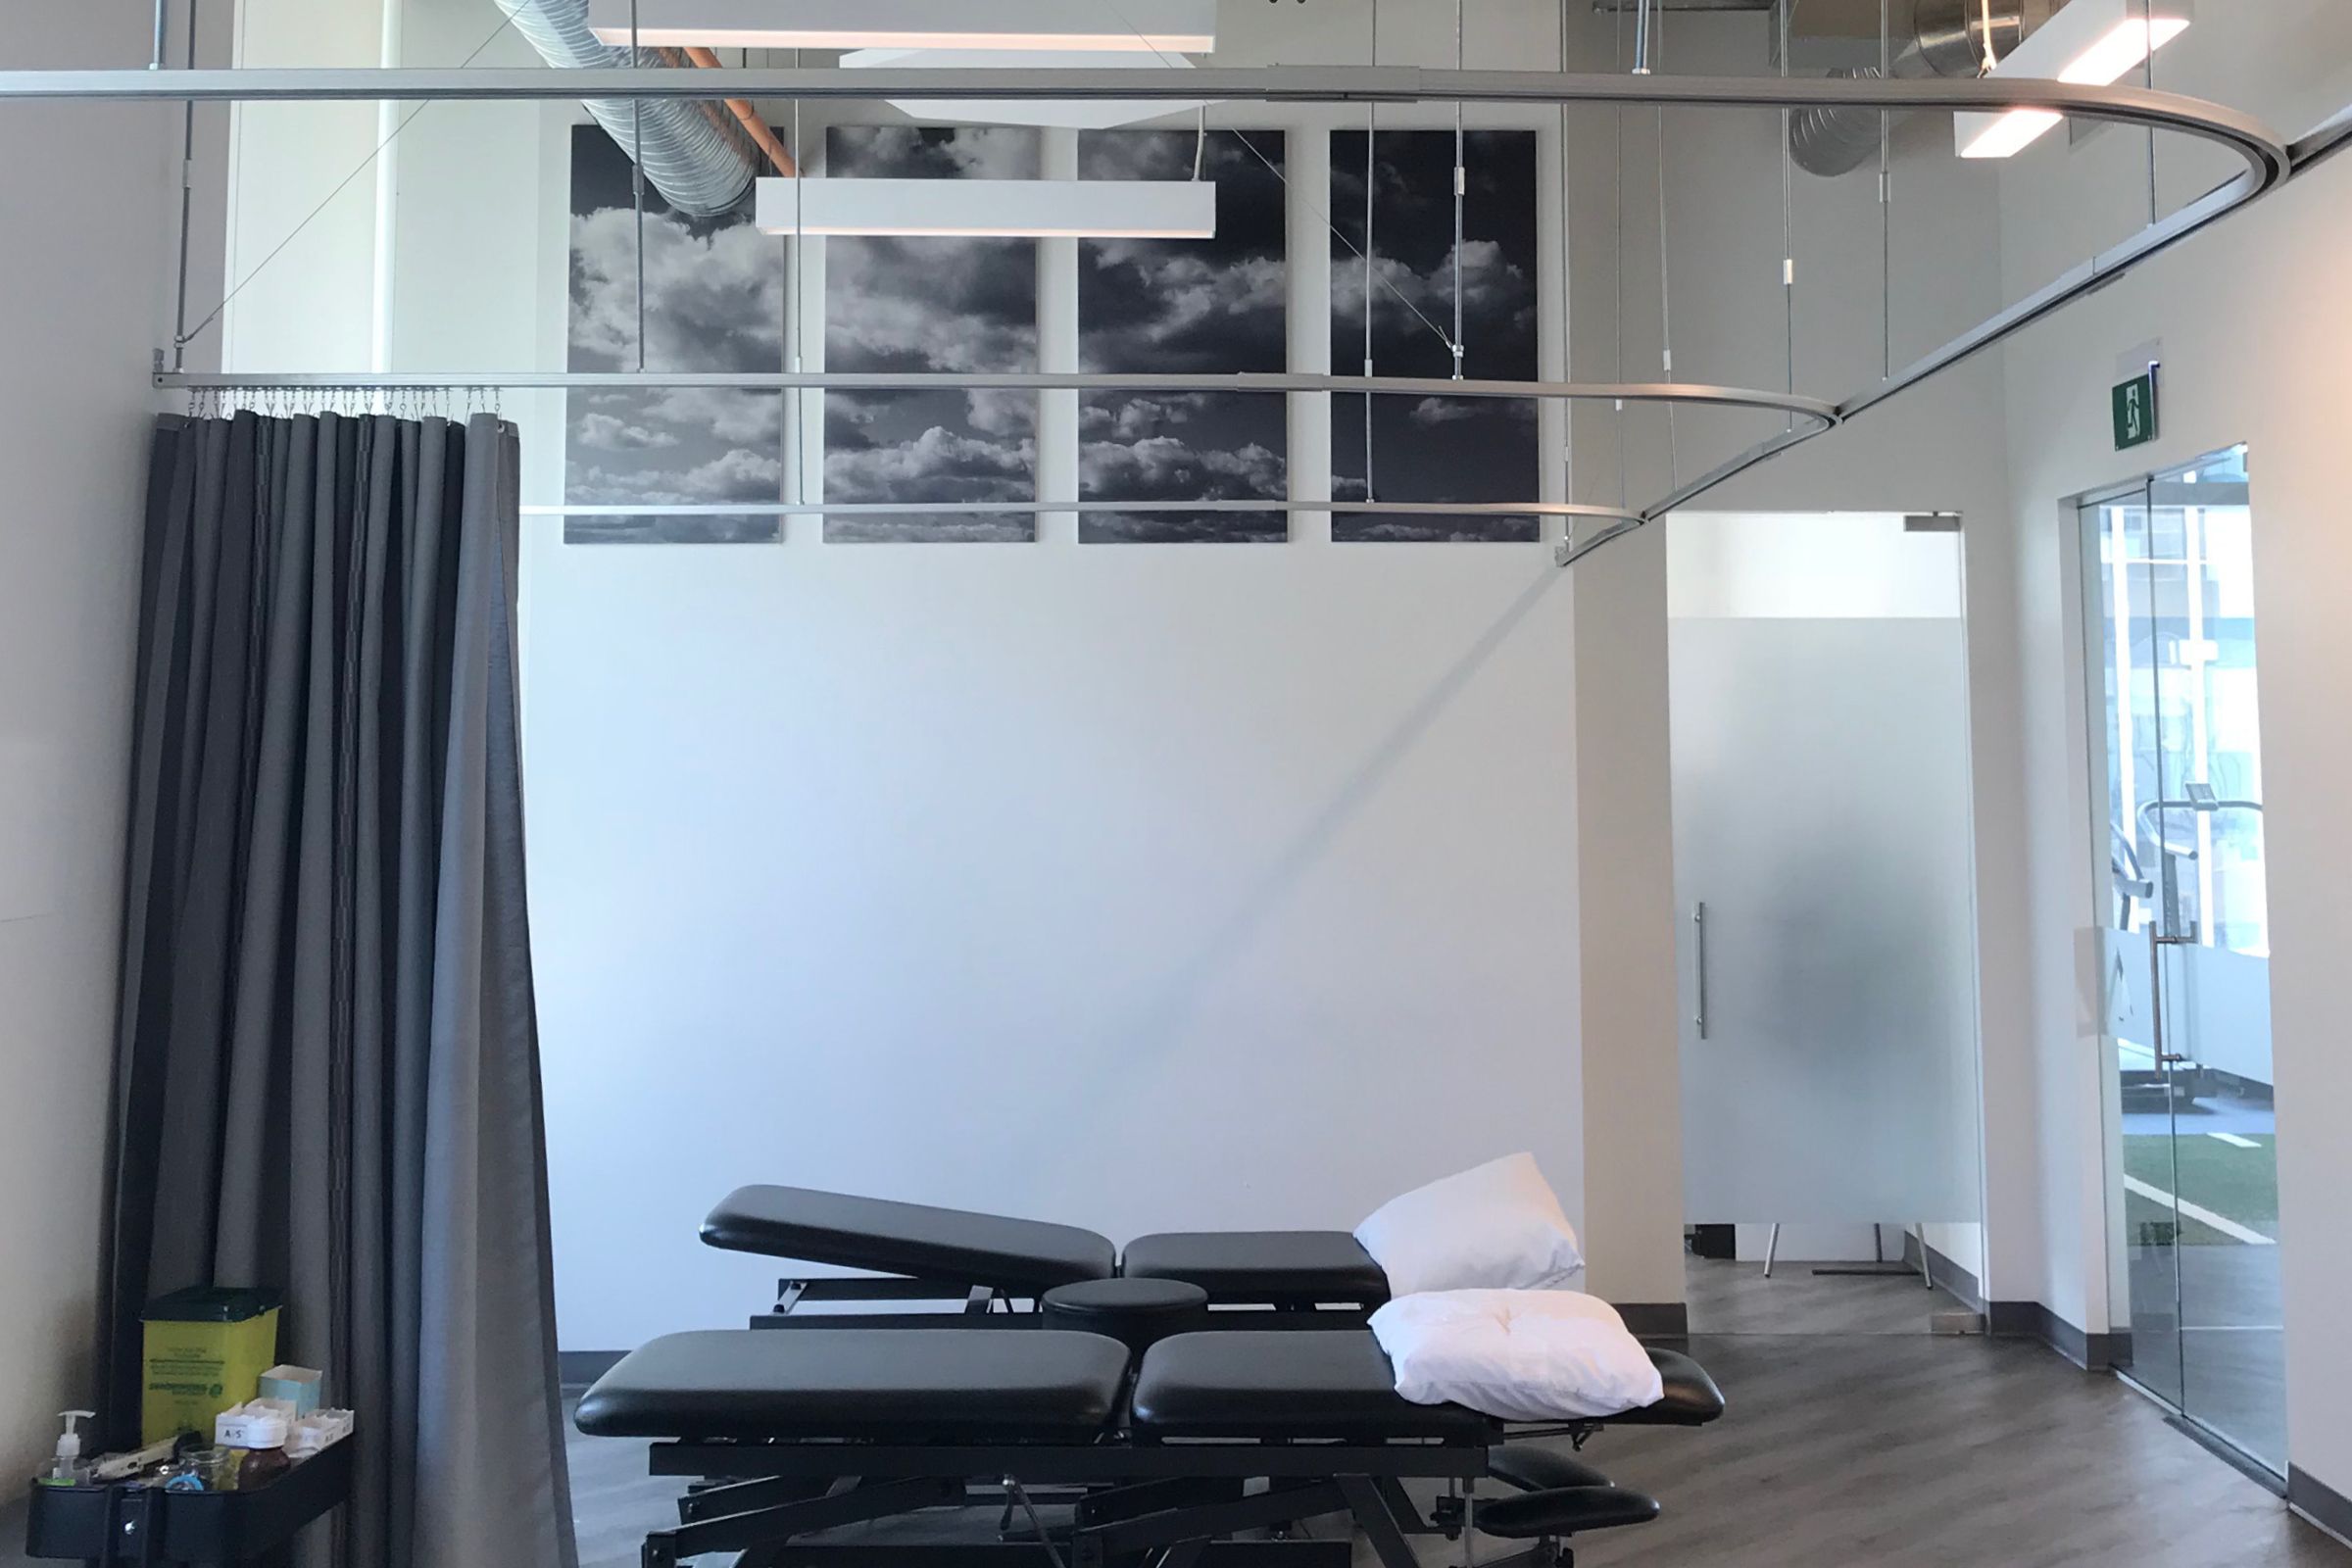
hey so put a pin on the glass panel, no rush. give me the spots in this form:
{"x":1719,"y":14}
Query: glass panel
{"x":1435,"y":449}
{"x":713,"y":300}
{"x":2207,"y":843}
{"x":1821,"y":817}
{"x":1212,"y":306}
{"x":2185,"y":935}
{"x":930,"y":304}
{"x":2128,"y":722}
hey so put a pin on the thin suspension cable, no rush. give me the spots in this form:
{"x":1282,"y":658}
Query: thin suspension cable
{"x":1460,"y":188}
{"x":1371,"y":139}
{"x":2147,"y":67}
{"x":214,"y":314}
{"x":1666,"y":298}
{"x":637,"y":185}
{"x":1324,"y":218}
{"x":1885,"y":200}
{"x":1617,"y":58}
{"x":187,"y":194}
{"x":1787,"y":220}
{"x":1567,"y":295}
{"x":1313,"y":205}
{"x":799,"y":302}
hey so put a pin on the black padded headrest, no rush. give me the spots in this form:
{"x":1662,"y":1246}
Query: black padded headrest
{"x":1018,"y":1256}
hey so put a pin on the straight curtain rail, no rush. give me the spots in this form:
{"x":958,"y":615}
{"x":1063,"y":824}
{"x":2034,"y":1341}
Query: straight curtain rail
{"x":1704,"y":394}
{"x":896,"y":508}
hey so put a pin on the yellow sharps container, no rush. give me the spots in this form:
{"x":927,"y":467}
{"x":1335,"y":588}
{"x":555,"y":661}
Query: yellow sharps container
{"x":207,"y":1349}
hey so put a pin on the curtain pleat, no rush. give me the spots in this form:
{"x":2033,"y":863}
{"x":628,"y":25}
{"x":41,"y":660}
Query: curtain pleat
{"x":327,"y":1057}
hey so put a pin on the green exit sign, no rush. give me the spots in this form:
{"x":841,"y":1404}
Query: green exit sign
{"x":2134,"y":409}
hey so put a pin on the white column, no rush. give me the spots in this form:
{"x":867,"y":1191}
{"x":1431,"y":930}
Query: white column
{"x":1626,"y":926}
{"x":1057,"y":350}
{"x":1306,"y":168}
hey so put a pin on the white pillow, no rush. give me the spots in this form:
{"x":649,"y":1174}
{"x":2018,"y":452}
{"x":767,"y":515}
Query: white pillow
{"x":1518,"y":1355}
{"x":1498,"y":1226}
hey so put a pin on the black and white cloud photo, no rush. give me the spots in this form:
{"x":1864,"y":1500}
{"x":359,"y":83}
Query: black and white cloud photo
{"x":928,"y":304}
{"x":1436,"y":449}
{"x":1177,"y":307}
{"x":715,"y":293}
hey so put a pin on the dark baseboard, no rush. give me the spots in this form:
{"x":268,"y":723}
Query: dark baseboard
{"x":2031,"y":1320}
{"x":1947,"y":1275}
{"x":579,"y":1368}
{"x":1655,"y":1320}
{"x":2320,"y":1503}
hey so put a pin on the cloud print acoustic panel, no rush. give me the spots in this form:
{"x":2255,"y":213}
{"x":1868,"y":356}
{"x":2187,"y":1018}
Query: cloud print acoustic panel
{"x":1436,"y":449}
{"x":1178,"y":307}
{"x":715,"y":293}
{"x":931,"y":304}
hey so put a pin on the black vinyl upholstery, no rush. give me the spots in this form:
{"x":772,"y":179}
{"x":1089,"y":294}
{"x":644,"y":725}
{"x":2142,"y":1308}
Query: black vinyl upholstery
{"x":1536,"y":1469}
{"x":1018,"y":1256}
{"x":1565,"y":1512}
{"x":1254,"y":1268}
{"x":1272,"y":1383}
{"x":1137,"y":1313}
{"x":936,"y":1385}
{"x":1690,"y":1400}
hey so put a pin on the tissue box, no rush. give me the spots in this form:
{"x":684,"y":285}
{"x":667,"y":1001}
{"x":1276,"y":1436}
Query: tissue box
{"x":297,"y":1386}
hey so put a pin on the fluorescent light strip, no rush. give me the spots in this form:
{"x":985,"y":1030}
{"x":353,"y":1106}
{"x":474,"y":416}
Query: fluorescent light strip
{"x":2090,"y":43}
{"x":1160,"y":27}
{"x":1005,"y":208}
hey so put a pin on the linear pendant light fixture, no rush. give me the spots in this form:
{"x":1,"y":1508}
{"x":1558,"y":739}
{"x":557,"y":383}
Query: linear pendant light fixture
{"x":1143,"y":27}
{"x":1089,"y":114}
{"x":1008,"y":209}
{"x":2091,"y":43}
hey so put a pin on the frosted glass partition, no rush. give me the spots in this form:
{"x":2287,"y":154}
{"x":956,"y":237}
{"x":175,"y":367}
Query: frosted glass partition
{"x":1823,"y":867}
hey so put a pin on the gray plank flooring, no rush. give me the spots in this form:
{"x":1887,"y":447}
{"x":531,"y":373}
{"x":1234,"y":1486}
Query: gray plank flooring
{"x":1727,"y":1298}
{"x":1839,"y":1451}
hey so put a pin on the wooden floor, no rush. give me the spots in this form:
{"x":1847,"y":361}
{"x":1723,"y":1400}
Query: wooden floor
{"x":1727,"y":1298}
{"x":1838,"y":1452}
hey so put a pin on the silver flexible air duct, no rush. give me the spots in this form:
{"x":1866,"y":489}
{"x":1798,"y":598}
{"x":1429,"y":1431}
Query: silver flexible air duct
{"x":699,"y":167}
{"x":1939,"y":38}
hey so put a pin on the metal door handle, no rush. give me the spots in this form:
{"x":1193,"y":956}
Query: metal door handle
{"x":1698,"y":927}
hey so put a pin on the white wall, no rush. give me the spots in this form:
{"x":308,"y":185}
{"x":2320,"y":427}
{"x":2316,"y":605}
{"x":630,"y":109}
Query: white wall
{"x":1140,"y":888}
{"x":80,"y":272}
{"x":2255,"y":324}
{"x":301,"y":230}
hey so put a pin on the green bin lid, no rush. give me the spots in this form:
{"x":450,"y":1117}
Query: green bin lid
{"x":212,"y":1304}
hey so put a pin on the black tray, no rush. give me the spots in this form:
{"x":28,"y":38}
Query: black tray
{"x":147,"y":1524}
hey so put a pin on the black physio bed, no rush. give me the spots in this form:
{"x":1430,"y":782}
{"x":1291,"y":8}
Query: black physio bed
{"x":1161,"y":1460}
{"x":988,"y":1261}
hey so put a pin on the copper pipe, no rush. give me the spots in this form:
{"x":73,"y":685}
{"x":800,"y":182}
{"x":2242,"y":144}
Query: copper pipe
{"x":777,"y":153}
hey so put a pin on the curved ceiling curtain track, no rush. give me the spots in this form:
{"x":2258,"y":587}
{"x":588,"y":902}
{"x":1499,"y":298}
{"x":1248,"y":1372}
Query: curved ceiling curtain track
{"x":2270,"y":162}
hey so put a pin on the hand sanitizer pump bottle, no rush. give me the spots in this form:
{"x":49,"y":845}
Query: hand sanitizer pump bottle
{"x":66,"y":1468}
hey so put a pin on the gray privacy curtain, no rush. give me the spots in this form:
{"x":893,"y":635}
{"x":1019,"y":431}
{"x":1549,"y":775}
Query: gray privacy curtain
{"x":328,"y":1074}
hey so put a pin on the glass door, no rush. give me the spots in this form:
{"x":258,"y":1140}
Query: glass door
{"x":2184,"y":946}
{"x":1825,"y":870}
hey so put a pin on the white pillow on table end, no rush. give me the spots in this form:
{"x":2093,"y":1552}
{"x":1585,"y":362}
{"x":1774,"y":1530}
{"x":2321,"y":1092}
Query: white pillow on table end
{"x":1497,"y":1227}
{"x":1518,"y":1355}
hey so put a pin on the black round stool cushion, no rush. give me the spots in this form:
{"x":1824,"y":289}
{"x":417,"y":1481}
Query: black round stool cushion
{"x":1137,"y":1312}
